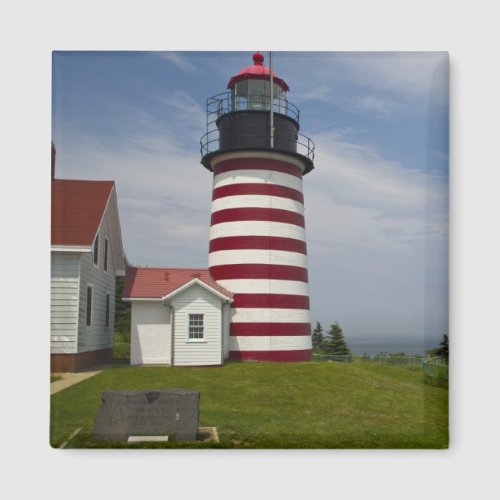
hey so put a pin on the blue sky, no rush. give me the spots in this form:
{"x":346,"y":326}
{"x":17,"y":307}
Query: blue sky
{"x":376,"y":202}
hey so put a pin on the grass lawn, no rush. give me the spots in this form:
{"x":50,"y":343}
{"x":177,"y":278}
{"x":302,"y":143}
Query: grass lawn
{"x":278,"y":405}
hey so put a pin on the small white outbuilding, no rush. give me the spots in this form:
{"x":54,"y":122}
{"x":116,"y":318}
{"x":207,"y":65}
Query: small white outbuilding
{"x":179,"y":317}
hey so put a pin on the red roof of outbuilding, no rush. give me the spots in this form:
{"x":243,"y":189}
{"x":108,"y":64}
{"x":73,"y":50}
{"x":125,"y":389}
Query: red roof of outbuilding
{"x":77,"y":210}
{"x":156,"y":282}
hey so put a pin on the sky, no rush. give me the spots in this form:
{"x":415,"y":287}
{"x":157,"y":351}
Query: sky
{"x":376,"y":202}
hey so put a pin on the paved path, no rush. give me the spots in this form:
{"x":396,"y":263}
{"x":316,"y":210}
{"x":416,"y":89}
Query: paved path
{"x":69,"y":379}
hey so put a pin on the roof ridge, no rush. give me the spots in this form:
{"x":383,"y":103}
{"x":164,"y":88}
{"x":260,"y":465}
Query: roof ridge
{"x":82,"y":180}
{"x":171,"y":268}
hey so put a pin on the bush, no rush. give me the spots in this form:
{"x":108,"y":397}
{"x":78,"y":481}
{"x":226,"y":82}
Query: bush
{"x":121,"y":345}
{"x":121,"y":350}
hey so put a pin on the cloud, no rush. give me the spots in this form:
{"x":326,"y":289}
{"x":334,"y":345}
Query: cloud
{"x":179,"y":60}
{"x":376,"y":231}
{"x":163,"y":195}
{"x":379,"y":105}
{"x":185,"y":112}
{"x":384,"y":83}
{"x":401,"y":72}
{"x":358,"y":175}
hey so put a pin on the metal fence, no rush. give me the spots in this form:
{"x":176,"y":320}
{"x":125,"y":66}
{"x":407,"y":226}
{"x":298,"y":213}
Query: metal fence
{"x":435,"y":371}
{"x":225,"y":103}
{"x":366,"y":358}
{"x":340,"y":358}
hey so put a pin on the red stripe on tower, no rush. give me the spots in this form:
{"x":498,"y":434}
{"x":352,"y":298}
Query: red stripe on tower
{"x":272,"y":300}
{"x":257,"y":214}
{"x":287,"y":355}
{"x":259,"y":271}
{"x":269,"y":329}
{"x":257,"y":189}
{"x":258,"y":243}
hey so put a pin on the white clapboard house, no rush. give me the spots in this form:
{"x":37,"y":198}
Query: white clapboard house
{"x":86,"y":256}
{"x":180,"y":317}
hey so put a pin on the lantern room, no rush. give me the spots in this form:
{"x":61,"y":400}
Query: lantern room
{"x":251,"y":89}
{"x":242,"y":118}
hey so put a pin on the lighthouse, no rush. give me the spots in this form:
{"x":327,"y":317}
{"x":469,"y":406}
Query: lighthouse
{"x":257,"y":247}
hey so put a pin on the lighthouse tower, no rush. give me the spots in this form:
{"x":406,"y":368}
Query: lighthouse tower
{"x":257,"y":235}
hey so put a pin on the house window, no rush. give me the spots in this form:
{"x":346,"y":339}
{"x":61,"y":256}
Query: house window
{"x":106,"y":251}
{"x":195,"y":326}
{"x":95,"y":250}
{"x":107,"y":309}
{"x":89,"y":306}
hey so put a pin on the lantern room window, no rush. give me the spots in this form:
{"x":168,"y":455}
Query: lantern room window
{"x":255,"y":94}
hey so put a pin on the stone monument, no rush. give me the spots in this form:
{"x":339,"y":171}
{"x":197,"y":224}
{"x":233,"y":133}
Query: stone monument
{"x":162,"y":412}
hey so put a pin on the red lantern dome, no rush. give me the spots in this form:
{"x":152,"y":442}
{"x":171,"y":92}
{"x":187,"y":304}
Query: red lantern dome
{"x":257,"y":71}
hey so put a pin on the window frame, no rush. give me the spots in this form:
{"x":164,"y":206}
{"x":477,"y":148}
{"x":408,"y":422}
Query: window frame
{"x":107,"y":310}
{"x":190,"y":318}
{"x":105,"y":264}
{"x":95,"y":251}
{"x":89,"y":306}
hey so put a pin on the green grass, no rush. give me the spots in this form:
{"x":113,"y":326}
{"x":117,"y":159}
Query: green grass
{"x":279,"y":405}
{"x":55,"y":378}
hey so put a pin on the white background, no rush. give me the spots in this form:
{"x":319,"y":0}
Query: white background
{"x":31,"y":30}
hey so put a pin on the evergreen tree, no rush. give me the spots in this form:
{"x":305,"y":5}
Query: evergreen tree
{"x":122,"y":309}
{"x":443,"y":349}
{"x":335,"y":342}
{"x":318,"y":337}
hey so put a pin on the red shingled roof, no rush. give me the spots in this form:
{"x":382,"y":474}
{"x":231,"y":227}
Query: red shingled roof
{"x":154,"y":282}
{"x":77,"y":210}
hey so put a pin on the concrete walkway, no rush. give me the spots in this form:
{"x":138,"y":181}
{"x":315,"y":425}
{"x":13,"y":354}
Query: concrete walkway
{"x":69,"y":379}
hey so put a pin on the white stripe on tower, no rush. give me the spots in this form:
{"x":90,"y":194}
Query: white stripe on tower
{"x":258,"y":251}
{"x":257,"y":257}
{"x":258,"y":201}
{"x":257,"y":177}
{"x":272,"y":343}
{"x":257,"y":228}
{"x":265,"y":286}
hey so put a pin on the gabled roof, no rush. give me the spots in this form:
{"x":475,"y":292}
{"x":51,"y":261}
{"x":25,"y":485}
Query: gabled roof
{"x":78,"y":207}
{"x":158,"y":282}
{"x":77,"y":210}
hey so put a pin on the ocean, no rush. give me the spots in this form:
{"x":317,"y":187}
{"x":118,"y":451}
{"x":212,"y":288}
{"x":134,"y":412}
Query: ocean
{"x":410,"y":347}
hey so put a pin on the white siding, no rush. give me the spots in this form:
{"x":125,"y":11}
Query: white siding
{"x":226,"y":314}
{"x":197,"y":300}
{"x":151,"y":333}
{"x":97,"y":335}
{"x":64,"y":284}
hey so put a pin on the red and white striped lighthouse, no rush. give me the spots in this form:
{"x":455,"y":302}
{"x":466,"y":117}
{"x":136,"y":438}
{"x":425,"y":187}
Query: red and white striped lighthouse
{"x":257,"y":233}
